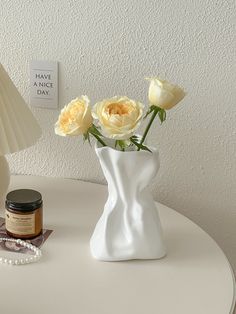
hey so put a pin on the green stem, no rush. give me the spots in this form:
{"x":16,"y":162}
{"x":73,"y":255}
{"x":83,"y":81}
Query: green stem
{"x":98,"y":138}
{"x":155,"y":111}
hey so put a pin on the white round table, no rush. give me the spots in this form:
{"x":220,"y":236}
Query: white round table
{"x":194,"y":278}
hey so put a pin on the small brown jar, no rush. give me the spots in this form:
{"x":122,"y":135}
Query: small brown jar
{"x":24,"y":213}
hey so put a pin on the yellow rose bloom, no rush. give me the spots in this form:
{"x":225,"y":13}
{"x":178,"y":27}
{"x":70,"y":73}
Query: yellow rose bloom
{"x":75,"y":118}
{"x":118,"y":117}
{"x":163,"y":94}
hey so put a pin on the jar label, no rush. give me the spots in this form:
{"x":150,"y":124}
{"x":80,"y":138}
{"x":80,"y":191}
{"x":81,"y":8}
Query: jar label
{"x":20,"y":224}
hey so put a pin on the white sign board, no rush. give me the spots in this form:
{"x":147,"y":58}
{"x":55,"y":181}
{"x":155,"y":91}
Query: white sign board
{"x":44,"y":84}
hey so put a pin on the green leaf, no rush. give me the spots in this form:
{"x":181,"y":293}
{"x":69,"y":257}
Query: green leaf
{"x":135,"y":138}
{"x":151,"y":109}
{"x":140,"y":146}
{"x":162,"y":115}
{"x":87,"y":138}
{"x":123,"y":144}
{"x":143,"y":147}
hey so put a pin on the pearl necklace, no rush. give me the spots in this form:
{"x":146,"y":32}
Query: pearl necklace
{"x":22,"y":261}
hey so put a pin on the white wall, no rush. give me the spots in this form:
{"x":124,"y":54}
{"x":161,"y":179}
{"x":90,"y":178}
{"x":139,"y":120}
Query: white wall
{"x":107,"y":48}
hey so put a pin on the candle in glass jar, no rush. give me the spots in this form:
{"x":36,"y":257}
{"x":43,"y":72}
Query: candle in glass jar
{"x":24,"y":213}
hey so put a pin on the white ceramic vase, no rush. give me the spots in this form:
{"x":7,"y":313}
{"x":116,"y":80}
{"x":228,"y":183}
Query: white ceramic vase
{"x":129,"y":227}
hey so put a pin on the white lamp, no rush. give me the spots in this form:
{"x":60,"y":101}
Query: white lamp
{"x":18,"y":127}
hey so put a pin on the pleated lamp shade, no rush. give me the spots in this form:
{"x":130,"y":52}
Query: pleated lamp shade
{"x":18,"y":127}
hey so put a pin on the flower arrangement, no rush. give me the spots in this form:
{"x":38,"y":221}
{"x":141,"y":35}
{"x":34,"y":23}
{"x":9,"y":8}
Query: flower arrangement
{"x":118,"y":118}
{"x":129,"y":227}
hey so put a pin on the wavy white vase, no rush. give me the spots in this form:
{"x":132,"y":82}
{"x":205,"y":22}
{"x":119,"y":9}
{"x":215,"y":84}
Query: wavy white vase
{"x":129,"y":227}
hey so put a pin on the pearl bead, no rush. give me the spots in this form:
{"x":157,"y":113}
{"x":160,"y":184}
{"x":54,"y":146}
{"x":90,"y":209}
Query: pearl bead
{"x":22,"y":261}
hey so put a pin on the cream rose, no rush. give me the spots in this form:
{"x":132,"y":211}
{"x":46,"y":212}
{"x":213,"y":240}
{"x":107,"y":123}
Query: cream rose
{"x":75,"y":118}
{"x":118,"y":117}
{"x":163,"y":94}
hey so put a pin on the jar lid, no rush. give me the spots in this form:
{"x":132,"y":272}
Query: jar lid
{"x":23,"y":200}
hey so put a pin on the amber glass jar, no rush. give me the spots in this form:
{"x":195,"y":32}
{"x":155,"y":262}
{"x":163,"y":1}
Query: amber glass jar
{"x":24,"y":213}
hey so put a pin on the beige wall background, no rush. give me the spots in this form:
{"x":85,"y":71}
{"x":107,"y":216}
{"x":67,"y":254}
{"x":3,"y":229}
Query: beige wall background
{"x":106,"y":48}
